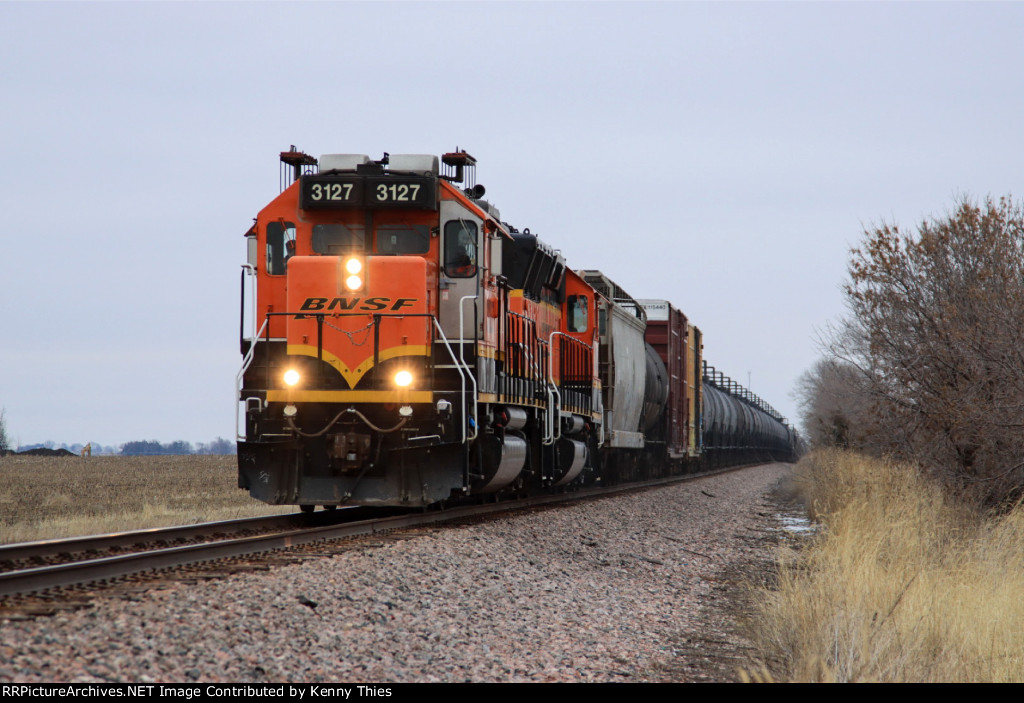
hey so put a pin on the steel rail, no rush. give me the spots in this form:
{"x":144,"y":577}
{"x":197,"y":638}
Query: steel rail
{"x":21,"y":551}
{"x":26,"y":581}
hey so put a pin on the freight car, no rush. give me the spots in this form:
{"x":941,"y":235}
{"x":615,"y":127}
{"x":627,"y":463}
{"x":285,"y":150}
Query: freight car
{"x":403,"y":345}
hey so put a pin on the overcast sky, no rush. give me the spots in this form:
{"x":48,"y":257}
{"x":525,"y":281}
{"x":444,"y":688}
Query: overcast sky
{"x":722,"y":156}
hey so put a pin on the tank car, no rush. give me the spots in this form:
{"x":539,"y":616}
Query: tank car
{"x":403,"y":345}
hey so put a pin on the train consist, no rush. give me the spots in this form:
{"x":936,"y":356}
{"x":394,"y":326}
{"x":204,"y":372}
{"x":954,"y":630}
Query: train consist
{"x":405,"y":346}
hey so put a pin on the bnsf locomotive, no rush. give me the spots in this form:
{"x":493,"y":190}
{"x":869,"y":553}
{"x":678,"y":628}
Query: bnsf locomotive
{"x":404,"y":346}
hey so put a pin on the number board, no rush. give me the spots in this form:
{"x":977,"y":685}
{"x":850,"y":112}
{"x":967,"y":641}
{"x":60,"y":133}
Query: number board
{"x":330,"y":192}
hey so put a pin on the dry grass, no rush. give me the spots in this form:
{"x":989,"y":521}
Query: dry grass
{"x":900,"y":585}
{"x":49,"y":497}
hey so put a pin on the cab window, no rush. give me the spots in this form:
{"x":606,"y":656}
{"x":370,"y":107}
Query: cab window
{"x":460,"y":249}
{"x":578,"y":313}
{"x":403,"y":239}
{"x":337,"y":238}
{"x":280,"y":246}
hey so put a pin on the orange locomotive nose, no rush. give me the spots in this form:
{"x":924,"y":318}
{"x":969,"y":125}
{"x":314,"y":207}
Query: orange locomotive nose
{"x":383,"y":319}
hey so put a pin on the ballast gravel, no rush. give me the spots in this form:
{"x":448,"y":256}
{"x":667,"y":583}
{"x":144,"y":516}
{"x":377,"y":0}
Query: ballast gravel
{"x":596,"y":591}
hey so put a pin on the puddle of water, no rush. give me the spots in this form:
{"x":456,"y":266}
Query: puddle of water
{"x":797,"y":524}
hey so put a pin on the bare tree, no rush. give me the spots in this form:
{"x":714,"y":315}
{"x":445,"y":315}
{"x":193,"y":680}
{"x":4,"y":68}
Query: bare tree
{"x":220,"y":446}
{"x":5,"y":442}
{"x":934,"y":343}
{"x":830,"y":403}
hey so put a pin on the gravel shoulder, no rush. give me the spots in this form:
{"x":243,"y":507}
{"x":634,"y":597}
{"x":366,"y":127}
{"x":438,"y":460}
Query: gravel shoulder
{"x":645,"y":587}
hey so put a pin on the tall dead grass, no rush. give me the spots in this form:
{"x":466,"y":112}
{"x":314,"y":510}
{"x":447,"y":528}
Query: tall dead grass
{"x":901,"y":583}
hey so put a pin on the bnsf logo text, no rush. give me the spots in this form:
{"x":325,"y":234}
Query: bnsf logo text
{"x":357,"y":303}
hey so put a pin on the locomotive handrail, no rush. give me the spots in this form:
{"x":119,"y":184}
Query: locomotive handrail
{"x":553,"y":429}
{"x":451,"y":353}
{"x":523,"y":354}
{"x":462,"y":357}
{"x":247,"y":270}
{"x":576,"y":365}
{"x":246,"y":362}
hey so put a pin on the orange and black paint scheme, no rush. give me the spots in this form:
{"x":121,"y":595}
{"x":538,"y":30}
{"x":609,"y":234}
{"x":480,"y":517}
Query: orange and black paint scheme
{"x":390,"y":359}
{"x":404,"y":346}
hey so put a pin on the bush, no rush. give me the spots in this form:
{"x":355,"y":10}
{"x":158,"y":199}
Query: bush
{"x":929,"y":364}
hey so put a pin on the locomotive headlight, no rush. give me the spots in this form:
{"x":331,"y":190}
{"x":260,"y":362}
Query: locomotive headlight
{"x":403,"y":379}
{"x":291,"y":377}
{"x":353,"y":270}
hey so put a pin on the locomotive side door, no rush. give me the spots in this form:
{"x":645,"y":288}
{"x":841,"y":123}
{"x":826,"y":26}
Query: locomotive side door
{"x":462,"y":263}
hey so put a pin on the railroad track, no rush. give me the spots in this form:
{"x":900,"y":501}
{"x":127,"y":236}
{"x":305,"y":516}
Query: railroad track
{"x":88,"y":560}
{"x":15,"y":557}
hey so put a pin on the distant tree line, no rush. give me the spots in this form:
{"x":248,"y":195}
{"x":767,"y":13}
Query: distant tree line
{"x":928,"y":365}
{"x":138,"y":448}
{"x":153,"y":447}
